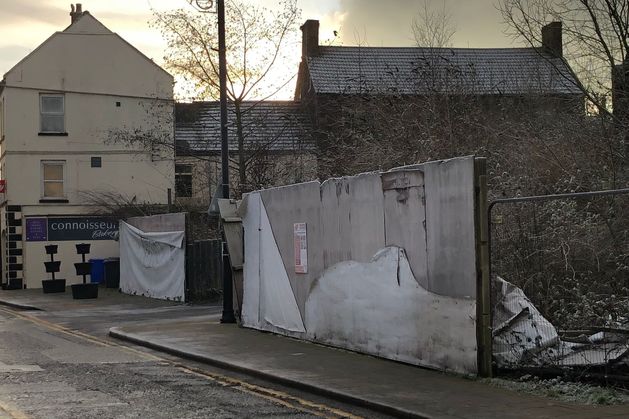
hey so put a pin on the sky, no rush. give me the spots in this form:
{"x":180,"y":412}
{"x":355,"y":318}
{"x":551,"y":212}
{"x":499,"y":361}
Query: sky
{"x":25,"y":24}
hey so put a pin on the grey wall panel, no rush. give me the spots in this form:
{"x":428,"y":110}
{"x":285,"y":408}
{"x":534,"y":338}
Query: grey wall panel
{"x":405,"y":218}
{"x":285,"y":206}
{"x":366,"y":216}
{"x":159,"y":223}
{"x":335,"y":219}
{"x":450,"y":227}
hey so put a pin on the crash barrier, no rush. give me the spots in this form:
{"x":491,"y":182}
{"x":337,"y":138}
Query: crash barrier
{"x":560,"y":284}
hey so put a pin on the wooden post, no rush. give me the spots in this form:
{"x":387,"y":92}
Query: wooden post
{"x":483,"y":288}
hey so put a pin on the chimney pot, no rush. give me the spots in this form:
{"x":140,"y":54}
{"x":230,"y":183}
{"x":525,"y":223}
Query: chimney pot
{"x":309,"y":38}
{"x":76,"y":13}
{"x":552,"y":39}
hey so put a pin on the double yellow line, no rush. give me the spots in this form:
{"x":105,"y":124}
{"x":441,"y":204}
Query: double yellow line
{"x":275,"y":396}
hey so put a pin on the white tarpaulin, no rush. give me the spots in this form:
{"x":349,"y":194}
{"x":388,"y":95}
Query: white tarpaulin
{"x":152,"y":264}
{"x":269,"y":302}
{"x":525,"y":338}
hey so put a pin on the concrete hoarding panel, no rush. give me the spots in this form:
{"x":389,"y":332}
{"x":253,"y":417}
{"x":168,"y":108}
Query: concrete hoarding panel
{"x":286,"y":206}
{"x":366,"y":216}
{"x":335,"y":221}
{"x":405,"y":218}
{"x":450,"y":227}
{"x":378,"y":308}
{"x":250,"y":213}
{"x":378,"y":305}
{"x":159,"y":223}
{"x":352,"y":218}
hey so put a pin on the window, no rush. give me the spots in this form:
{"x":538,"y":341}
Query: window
{"x":53,"y":178}
{"x":183,"y":180}
{"x":52,"y":114}
{"x":97,"y":162}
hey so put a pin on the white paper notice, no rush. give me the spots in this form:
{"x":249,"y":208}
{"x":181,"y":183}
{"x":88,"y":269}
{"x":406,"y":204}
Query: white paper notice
{"x":301,"y":248}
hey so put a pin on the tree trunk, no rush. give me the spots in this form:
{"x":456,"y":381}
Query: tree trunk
{"x":242,"y":173}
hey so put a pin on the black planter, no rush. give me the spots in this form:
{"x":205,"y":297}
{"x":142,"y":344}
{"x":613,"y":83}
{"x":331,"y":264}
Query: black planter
{"x":83,"y":268}
{"x":84,"y":291}
{"x":13,"y":284}
{"x":83,"y":248}
{"x":53,"y":285}
{"x":51,"y":249}
{"x":52,"y":266}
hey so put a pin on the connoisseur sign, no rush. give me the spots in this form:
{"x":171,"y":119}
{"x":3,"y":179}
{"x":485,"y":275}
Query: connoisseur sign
{"x":71,"y":229}
{"x":301,"y":248}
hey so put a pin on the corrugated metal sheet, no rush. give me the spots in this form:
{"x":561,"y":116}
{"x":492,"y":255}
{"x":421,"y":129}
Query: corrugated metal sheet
{"x":378,"y":70}
{"x":273,"y":126}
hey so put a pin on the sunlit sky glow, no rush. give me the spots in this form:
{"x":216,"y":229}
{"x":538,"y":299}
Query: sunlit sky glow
{"x":25,"y":24}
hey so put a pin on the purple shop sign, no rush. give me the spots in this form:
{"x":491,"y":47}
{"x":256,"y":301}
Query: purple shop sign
{"x":36,"y":229}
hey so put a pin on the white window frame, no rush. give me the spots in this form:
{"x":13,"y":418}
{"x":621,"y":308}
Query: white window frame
{"x":43,"y":181}
{"x":62,"y":113}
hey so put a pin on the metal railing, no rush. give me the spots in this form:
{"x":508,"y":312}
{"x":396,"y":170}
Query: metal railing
{"x":559,"y":268}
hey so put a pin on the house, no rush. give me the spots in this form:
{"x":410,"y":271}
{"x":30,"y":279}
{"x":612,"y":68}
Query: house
{"x":59,"y":106}
{"x":358,"y":92}
{"x":277,"y":146}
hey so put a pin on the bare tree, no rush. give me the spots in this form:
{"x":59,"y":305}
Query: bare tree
{"x":595,"y":37}
{"x":433,"y":26}
{"x":258,"y":42}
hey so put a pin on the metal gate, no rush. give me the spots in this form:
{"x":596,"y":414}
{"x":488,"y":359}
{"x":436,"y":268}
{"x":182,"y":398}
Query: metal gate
{"x":203,"y":270}
{"x":559,"y":266}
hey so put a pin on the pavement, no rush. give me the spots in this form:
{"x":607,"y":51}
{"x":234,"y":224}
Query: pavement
{"x":380,"y":385}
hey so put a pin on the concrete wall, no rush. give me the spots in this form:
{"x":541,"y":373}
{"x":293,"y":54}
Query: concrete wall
{"x":428,"y":286}
{"x":159,"y":223}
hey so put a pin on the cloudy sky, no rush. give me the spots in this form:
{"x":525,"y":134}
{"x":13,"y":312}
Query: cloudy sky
{"x":24,"y":24}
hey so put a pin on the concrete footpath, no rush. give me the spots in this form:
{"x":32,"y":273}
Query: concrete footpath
{"x":385,"y":386}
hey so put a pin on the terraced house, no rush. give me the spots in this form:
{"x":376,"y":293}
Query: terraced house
{"x":59,"y":106}
{"x":391,"y":97}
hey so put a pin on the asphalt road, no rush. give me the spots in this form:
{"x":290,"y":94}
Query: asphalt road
{"x":62,"y":365}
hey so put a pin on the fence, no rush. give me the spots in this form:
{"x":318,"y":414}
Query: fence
{"x":203,"y":270}
{"x":560,"y":283}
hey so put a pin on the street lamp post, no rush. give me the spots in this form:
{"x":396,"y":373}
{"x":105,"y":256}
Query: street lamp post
{"x":207,"y":6}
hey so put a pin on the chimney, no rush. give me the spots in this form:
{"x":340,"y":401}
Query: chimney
{"x":551,"y":39}
{"x":76,"y":14}
{"x":620,"y":91}
{"x":309,"y":38}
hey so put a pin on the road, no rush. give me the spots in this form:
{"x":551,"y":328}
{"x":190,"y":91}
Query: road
{"x":63,"y":366}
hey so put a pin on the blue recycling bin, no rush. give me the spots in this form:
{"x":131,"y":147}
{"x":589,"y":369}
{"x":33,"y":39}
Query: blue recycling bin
{"x":98,"y":270}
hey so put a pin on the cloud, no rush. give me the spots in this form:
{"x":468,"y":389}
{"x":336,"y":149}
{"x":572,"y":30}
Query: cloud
{"x":377,"y":22}
{"x":19,"y":12}
{"x":10,"y":55}
{"x":388,"y":23}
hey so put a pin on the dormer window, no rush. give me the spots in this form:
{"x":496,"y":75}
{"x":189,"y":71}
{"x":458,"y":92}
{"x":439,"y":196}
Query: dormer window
{"x":52,"y":114}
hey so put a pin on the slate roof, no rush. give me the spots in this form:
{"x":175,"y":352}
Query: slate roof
{"x":273,"y":126}
{"x":412,"y":70}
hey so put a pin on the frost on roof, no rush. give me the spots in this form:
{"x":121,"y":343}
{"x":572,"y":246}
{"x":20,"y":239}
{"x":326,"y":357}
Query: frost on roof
{"x":274,"y":126}
{"x":439,"y":70}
